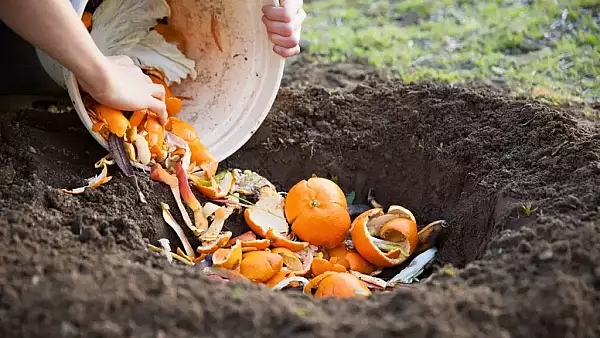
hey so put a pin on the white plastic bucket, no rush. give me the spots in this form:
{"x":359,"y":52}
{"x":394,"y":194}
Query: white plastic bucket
{"x":234,"y":90}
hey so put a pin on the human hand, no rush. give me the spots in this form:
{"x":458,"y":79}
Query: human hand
{"x":283,"y":26}
{"x":122,"y":85}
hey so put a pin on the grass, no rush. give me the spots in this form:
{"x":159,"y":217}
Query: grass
{"x":548,"y":49}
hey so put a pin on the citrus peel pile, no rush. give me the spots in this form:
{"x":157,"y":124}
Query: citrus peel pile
{"x":272,"y":254}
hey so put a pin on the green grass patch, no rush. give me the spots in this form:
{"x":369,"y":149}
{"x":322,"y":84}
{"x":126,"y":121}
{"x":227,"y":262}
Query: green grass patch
{"x":548,"y":48}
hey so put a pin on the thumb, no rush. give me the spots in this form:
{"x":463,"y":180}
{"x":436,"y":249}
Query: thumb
{"x":159,"y":108}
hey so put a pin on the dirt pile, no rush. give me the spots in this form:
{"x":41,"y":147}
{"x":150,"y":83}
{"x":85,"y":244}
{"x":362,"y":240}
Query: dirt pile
{"x":77,"y":265}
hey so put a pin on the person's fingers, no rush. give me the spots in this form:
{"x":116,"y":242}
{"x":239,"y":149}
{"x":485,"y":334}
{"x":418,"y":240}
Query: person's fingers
{"x":159,"y":108}
{"x":122,"y":60}
{"x":284,"y":41}
{"x":286,"y":13}
{"x":157,"y":91}
{"x":147,"y":78}
{"x":286,"y":52}
{"x":281,"y":28}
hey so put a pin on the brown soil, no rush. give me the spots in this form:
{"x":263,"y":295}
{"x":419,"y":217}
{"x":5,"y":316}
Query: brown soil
{"x":78,"y":265}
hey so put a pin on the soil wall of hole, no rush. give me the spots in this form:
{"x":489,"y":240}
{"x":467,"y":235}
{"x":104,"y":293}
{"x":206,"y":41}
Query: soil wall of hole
{"x":77,"y":265}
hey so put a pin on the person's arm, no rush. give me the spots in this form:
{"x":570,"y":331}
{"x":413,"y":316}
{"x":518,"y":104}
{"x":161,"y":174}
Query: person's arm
{"x":54,"y":27}
{"x":283,"y":26}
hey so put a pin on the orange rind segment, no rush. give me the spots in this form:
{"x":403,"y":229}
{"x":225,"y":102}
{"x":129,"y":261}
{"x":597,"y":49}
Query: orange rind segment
{"x":277,"y":277}
{"x":93,"y":182}
{"x":341,"y":285}
{"x":318,"y":212}
{"x":394,"y":212}
{"x":402,"y":212}
{"x":172,"y":35}
{"x":228,"y":258}
{"x":182,"y":129}
{"x":314,"y":283}
{"x":174,"y":105}
{"x":280,"y":241}
{"x":115,"y":120}
{"x":178,"y":230}
{"x":247,"y":236}
{"x":320,"y":265}
{"x":217,"y":224}
{"x":260,"y":266}
{"x":210,"y":208}
{"x":370,"y":281}
{"x":86,"y":18}
{"x":402,"y":231}
{"x":259,"y":244}
{"x":369,"y":247}
{"x":138,"y":117}
{"x":359,"y":264}
{"x":156,"y":132}
{"x":290,"y":260}
{"x":267,"y":214}
{"x":159,"y":174}
{"x":211,"y":247}
{"x":223,"y":182}
{"x":351,"y":260}
{"x":200,"y":221}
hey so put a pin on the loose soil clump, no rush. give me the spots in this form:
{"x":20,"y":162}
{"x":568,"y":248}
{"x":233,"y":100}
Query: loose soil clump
{"x":519,"y":183}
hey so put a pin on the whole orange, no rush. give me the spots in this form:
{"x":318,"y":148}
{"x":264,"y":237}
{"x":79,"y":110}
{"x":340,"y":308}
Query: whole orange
{"x":318,"y":212}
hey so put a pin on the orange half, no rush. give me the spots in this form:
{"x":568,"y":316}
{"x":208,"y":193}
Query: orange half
{"x":260,"y":266}
{"x":364,"y":242}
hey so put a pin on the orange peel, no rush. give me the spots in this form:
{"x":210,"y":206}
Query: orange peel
{"x":260,"y":266}
{"x":228,"y":258}
{"x":338,"y":285}
{"x":246,"y":236}
{"x":174,"y":105}
{"x":211,"y":247}
{"x":172,"y":35}
{"x":320,"y":265}
{"x":217,"y":224}
{"x":318,"y":212}
{"x":277,"y":277}
{"x":200,"y":221}
{"x":291,"y":261}
{"x":159,"y":174}
{"x":394,"y":212}
{"x":138,"y":117}
{"x":114,"y":119}
{"x":259,"y":244}
{"x":86,"y":18}
{"x":280,"y":241}
{"x":267,"y":213}
{"x":178,"y":230}
{"x":351,"y":260}
{"x":156,"y":132}
{"x":223,"y":182}
{"x":370,"y":247}
{"x":93,"y":182}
